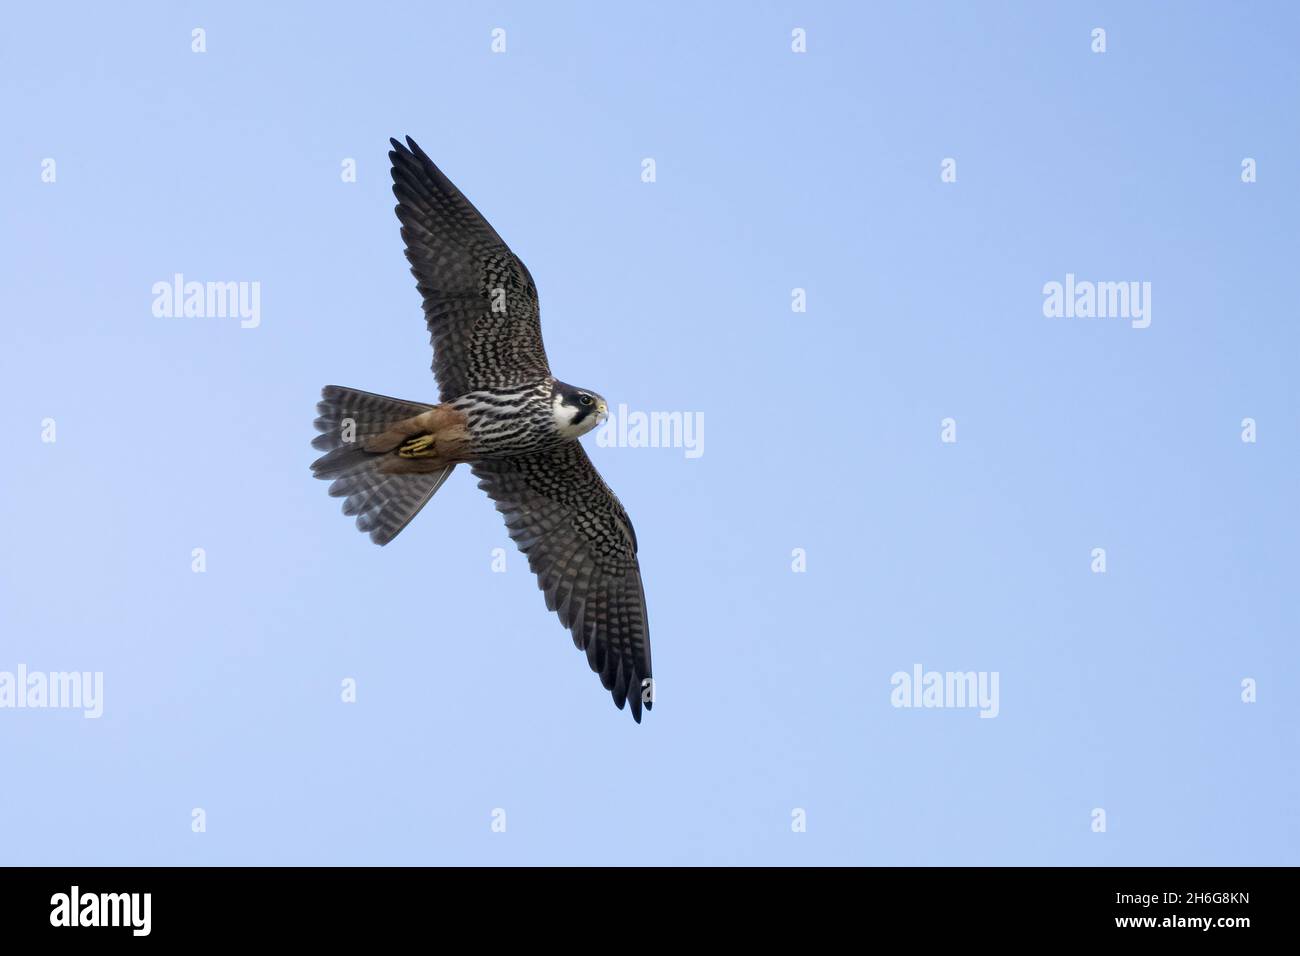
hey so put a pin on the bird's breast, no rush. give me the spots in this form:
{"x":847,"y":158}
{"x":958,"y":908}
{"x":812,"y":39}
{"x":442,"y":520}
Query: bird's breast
{"x":508,"y":422}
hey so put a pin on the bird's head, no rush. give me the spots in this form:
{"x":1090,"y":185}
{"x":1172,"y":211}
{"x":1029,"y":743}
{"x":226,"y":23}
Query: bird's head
{"x":576,"y":411}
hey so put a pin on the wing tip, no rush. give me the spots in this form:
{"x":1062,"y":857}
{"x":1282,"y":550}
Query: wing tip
{"x":409,"y":148}
{"x":636,"y":698}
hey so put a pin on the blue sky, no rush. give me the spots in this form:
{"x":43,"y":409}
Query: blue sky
{"x":1120,"y":691}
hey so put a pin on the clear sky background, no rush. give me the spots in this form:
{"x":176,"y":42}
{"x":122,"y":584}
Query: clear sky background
{"x":775,"y":170}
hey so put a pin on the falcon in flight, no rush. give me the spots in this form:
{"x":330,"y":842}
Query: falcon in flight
{"x":504,"y":414}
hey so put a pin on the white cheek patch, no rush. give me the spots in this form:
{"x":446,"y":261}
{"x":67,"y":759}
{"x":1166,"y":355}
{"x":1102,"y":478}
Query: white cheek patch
{"x":562,"y":415}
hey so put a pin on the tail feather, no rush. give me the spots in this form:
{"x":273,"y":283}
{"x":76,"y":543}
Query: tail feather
{"x":383,"y":502}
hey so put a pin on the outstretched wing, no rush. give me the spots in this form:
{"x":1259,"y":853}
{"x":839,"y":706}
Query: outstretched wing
{"x":582,"y":548}
{"x":479,"y":300}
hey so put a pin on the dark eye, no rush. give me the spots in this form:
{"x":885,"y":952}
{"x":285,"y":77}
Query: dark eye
{"x":585,"y":399}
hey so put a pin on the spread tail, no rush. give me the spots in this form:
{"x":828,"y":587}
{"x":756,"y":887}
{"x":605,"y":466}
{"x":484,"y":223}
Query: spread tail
{"x":383,"y":500}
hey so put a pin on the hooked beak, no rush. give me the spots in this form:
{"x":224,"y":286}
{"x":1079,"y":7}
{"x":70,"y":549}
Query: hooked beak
{"x":602,"y":413}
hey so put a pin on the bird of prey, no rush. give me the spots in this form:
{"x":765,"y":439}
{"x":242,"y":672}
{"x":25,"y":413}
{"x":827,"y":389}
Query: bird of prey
{"x":502,"y":413}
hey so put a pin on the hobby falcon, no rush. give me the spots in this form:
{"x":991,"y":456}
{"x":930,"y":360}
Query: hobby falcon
{"x":501,"y":412}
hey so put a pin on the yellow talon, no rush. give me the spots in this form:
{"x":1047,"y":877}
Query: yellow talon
{"x":417,"y":447}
